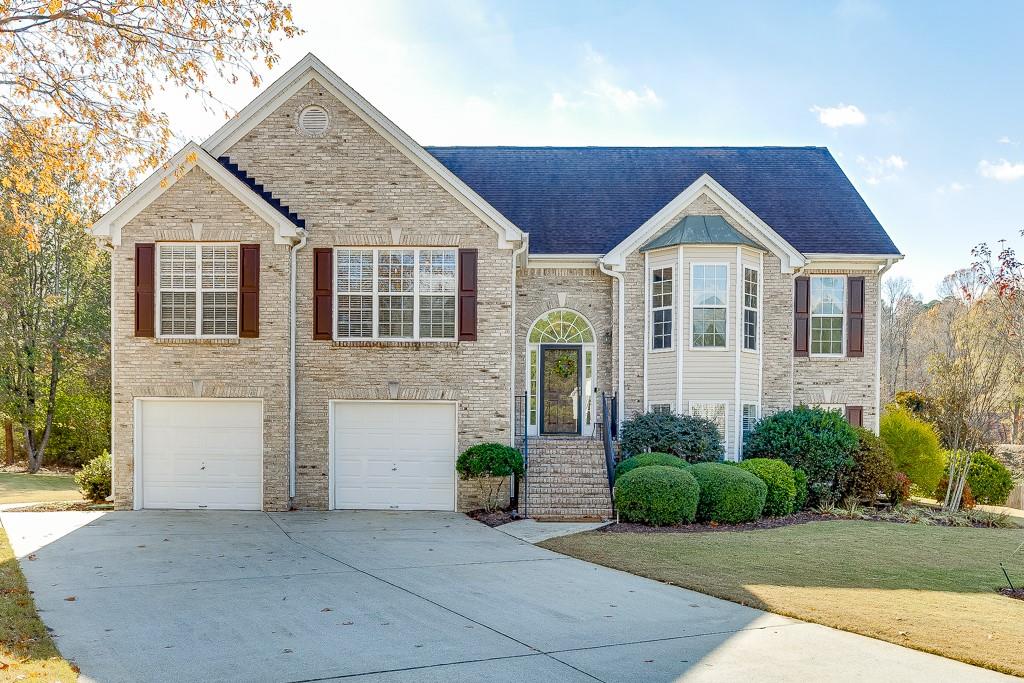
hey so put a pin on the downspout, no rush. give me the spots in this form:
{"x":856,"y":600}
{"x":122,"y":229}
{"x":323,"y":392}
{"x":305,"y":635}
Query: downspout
{"x":622,"y":340}
{"x":878,"y":347}
{"x":291,"y":370}
{"x":512,"y":363}
{"x":109,"y":248}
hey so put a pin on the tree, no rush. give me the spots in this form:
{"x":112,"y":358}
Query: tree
{"x":899,"y":312}
{"x":77,"y":82}
{"x":54,"y":315}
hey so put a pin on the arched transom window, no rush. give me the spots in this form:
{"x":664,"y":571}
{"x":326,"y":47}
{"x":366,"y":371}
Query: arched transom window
{"x":561,"y":326}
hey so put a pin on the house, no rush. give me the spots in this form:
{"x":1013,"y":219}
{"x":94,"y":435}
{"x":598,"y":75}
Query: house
{"x":312,"y":310}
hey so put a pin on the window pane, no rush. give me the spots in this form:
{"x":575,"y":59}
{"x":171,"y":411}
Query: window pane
{"x":827,"y":335}
{"x":750,"y":329}
{"x":437,"y":317}
{"x":355,"y":316}
{"x":661,"y":408}
{"x":750,"y":292}
{"x":177,"y":266}
{"x":177,"y":313}
{"x":437,"y":272}
{"x":749,"y":418}
{"x":395,"y":271}
{"x":355,"y":270}
{"x":220,"y":312}
{"x":828,"y":295}
{"x":395,"y":316}
{"x":220,"y":268}
{"x":533,"y":387}
{"x":661,"y":288}
{"x":661,"y":331}
{"x":709,"y":327}
{"x":710,"y":285}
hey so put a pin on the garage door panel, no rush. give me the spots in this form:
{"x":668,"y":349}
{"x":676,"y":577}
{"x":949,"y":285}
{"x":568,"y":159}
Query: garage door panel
{"x":201,"y":454}
{"x":394,"y":455}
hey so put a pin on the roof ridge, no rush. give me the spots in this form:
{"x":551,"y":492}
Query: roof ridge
{"x":627,"y":147}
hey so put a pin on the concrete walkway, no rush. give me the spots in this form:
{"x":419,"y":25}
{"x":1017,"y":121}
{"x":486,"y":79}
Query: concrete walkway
{"x":532,"y":531}
{"x":384,"y":596}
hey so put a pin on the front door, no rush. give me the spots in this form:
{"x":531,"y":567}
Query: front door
{"x":560,"y":374}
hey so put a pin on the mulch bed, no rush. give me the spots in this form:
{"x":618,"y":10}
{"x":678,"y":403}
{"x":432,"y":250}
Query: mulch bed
{"x":763,"y":523}
{"x":495,"y":518}
{"x":1017,"y":593}
{"x":70,"y":506}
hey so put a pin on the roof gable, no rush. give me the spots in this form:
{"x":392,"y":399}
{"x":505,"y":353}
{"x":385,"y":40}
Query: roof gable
{"x":589,"y":199}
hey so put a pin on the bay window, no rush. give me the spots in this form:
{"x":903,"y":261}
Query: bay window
{"x":661,"y":308}
{"x":709,"y":294}
{"x":751,"y":299}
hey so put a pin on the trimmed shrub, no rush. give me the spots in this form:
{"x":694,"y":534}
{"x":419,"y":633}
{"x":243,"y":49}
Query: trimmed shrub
{"x":874,"y":471}
{"x":728,"y":494}
{"x":657,"y":495}
{"x":490,"y":460}
{"x":778,"y":477}
{"x":647,"y":460}
{"x":94,"y":479}
{"x":820,"y":442}
{"x":915,"y":448}
{"x":800,"y":480}
{"x":989,"y":479}
{"x":694,"y":439}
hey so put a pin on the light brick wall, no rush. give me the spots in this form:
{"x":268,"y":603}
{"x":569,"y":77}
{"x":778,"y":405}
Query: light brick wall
{"x":353,"y":188}
{"x":242,"y":368}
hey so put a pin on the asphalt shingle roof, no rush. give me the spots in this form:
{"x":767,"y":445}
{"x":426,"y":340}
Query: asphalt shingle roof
{"x":586,"y":200}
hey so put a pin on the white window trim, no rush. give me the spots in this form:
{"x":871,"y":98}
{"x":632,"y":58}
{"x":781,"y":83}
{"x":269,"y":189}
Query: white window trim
{"x":725,"y":427}
{"x":728,"y":273}
{"x":375,"y":294}
{"x":811,"y":316}
{"x":756,"y":309}
{"x":670,"y":404}
{"x":198,"y":291}
{"x":757,"y":418}
{"x":671,"y":308}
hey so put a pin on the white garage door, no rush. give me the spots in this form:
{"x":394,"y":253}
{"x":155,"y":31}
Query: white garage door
{"x":201,"y":454}
{"x":394,"y":455}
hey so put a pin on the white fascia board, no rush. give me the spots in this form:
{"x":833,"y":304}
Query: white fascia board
{"x":310,"y":67}
{"x":563,"y":260}
{"x":190,"y":156}
{"x":762,"y":232}
{"x":850,"y":261}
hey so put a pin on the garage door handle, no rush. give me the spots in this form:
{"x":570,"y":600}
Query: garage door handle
{"x":395,"y":468}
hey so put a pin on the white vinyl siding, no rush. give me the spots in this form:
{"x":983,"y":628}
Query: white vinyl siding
{"x":709,"y":309}
{"x":398,"y":294}
{"x":828,"y":315}
{"x":197,"y":290}
{"x":662,"y":283}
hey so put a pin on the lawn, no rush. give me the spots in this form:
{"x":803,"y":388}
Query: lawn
{"x":26,"y":650}
{"x":927,"y":587}
{"x":21,"y":487}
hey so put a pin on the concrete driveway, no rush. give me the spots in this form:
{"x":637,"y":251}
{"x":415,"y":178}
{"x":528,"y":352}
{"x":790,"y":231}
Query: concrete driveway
{"x":385,"y":596}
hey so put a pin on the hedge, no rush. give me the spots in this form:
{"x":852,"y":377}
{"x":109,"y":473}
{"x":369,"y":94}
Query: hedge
{"x":728,"y":494}
{"x":778,"y":477}
{"x":648,"y":459}
{"x":657,"y":495}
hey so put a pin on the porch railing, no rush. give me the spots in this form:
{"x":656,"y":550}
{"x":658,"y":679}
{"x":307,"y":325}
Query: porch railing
{"x":609,"y":435}
{"x":522,"y":440}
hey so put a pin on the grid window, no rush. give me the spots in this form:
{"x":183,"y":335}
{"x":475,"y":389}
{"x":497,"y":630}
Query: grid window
{"x":828,"y":309}
{"x":710,"y":293}
{"x":750,"y":418}
{"x":661,"y":408}
{"x":198,"y":290}
{"x":661,"y":308}
{"x":710,"y":410}
{"x":751,"y":304}
{"x":395,"y":293}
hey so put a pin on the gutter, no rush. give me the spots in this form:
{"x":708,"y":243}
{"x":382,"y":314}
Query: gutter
{"x":291,"y":370}
{"x":109,"y":248}
{"x":512,"y":362}
{"x":622,"y":339}
{"x":878,"y":345}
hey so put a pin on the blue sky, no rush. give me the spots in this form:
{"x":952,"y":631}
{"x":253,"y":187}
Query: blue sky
{"x":920,"y":102}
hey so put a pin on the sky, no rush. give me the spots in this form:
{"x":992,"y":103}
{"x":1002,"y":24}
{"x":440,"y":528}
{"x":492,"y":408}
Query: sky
{"x":921,"y":103}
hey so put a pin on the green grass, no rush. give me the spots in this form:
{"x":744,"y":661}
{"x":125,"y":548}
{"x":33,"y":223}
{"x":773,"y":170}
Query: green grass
{"x":21,"y":487}
{"x":927,"y":587}
{"x":26,"y":650}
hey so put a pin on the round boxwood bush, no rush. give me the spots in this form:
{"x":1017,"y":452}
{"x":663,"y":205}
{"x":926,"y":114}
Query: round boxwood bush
{"x":657,"y":495}
{"x":820,"y":442}
{"x":874,"y":471}
{"x":781,"y":483}
{"x":94,"y":479}
{"x":692,"y":438}
{"x":990,"y":480}
{"x":490,"y":460}
{"x":647,"y":460}
{"x":800,"y":479}
{"x":728,"y":494}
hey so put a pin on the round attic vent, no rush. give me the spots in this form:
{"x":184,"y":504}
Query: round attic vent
{"x":313,"y":120}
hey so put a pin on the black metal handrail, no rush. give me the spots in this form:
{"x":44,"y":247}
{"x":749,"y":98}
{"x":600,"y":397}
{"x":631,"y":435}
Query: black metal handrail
{"x":608,"y":433}
{"x":523,"y":444}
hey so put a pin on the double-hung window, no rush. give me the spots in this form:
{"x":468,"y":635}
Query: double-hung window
{"x":406,"y":294}
{"x":709,"y":308}
{"x":198,"y":290}
{"x":828,"y":310}
{"x":751,"y":301}
{"x":661,"y":308}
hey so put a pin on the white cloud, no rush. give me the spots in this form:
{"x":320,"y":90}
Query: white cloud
{"x":623,"y":99}
{"x":604,"y":87}
{"x":1004,"y":171}
{"x":951,"y":188}
{"x":840,"y":115}
{"x":558,"y":101}
{"x":882,"y":169}
{"x":1006,"y":140}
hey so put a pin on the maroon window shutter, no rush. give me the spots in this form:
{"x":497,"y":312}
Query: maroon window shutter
{"x":323,"y":274}
{"x":467,"y":294}
{"x":249,"y":291}
{"x":855,"y":415}
{"x":802,"y":317}
{"x":855,"y":318}
{"x":145,"y":290}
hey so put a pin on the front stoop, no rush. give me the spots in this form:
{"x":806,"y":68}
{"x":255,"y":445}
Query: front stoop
{"x":567,"y":480}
